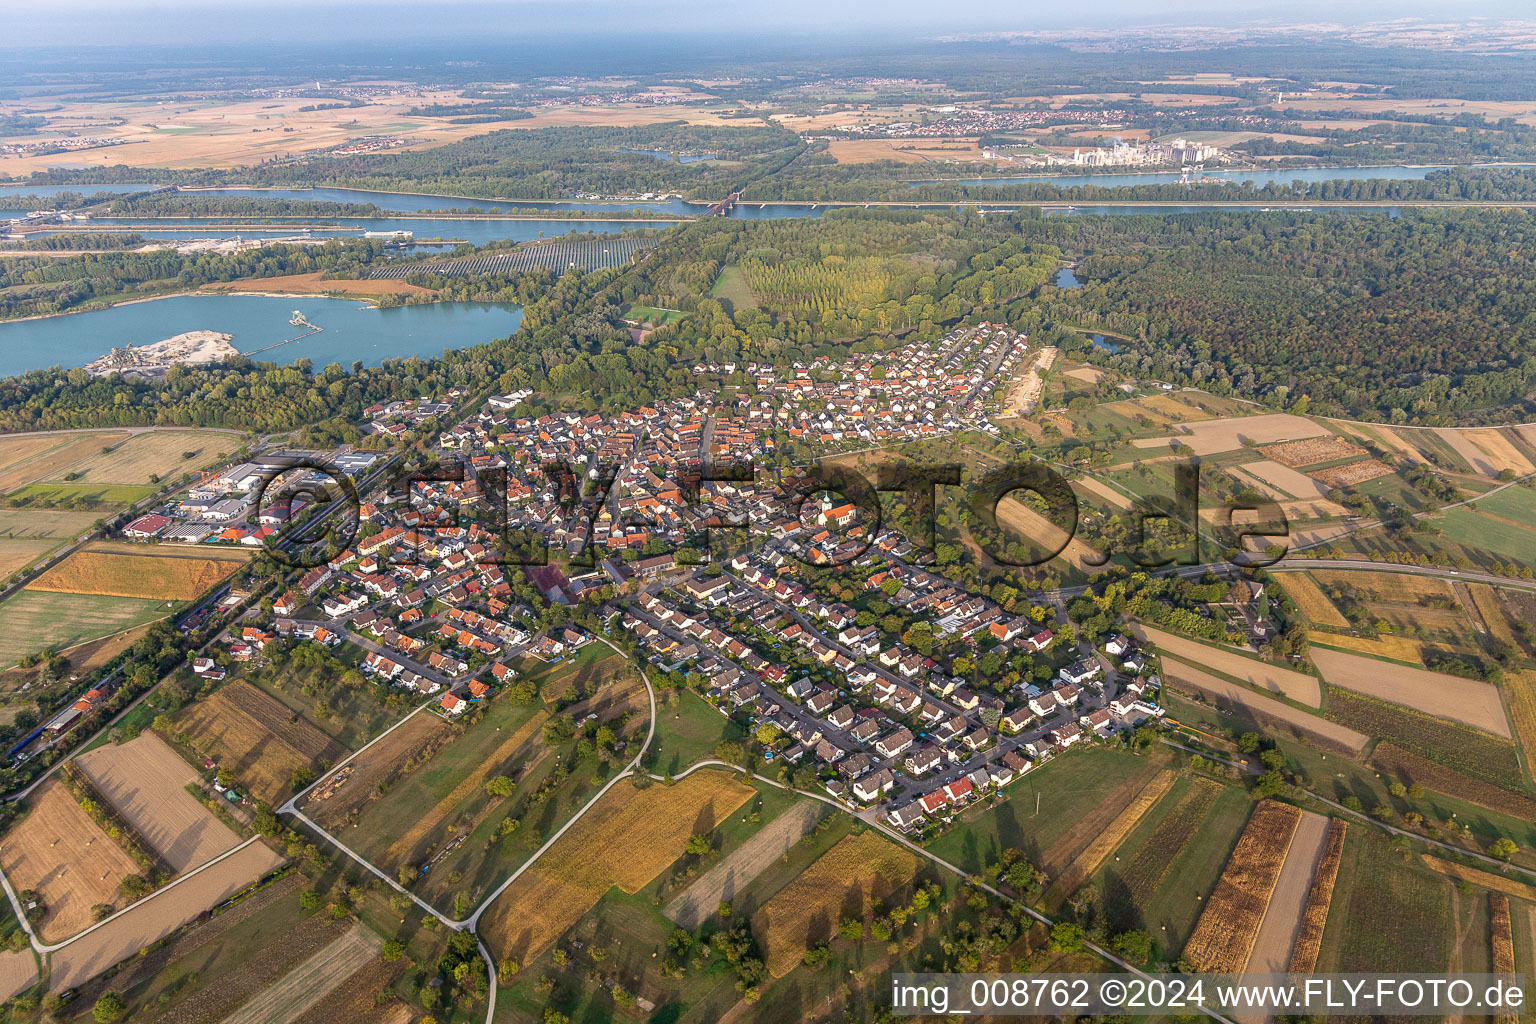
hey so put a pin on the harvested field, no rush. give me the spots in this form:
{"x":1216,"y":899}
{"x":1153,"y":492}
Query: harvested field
{"x":1265,"y":709}
{"x":161,"y":453}
{"x":1107,"y":842}
{"x":1228,"y":434}
{"x":1398,"y":587}
{"x":1407,"y":767}
{"x":1477,"y":876}
{"x":20,"y":552}
{"x":378,"y":764}
{"x":419,"y":830}
{"x":18,"y":972}
{"x":1469,"y":701}
{"x":865,"y":151}
{"x":313,"y":980}
{"x":144,"y":782}
{"x":1315,"y":918}
{"x":1173,"y":407}
{"x":1312,"y":450}
{"x":1314,"y":604}
{"x":315,"y":284}
{"x":158,"y":916}
{"x":1289,"y":481}
{"x":146,"y":574}
{"x":1520,"y":688}
{"x":735,"y":872}
{"x":1039,"y":534}
{"x":1492,"y":610}
{"x":1351,"y":474}
{"x":256,"y":737}
{"x":1298,"y":686}
{"x":24,"y":460}
{"x":1387,"y":645}
{"x":58,"y":851}
{"x":1229,"y":925}
{"x":809,"y":909}
{"x":562,"y":886}
{"x":1285,"y":919}
{"x":1486,"y":451}
{"x":1088,"y":374}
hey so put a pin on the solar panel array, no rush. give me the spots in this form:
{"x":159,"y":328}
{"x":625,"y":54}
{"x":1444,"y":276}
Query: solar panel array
{"x":585,"y":256}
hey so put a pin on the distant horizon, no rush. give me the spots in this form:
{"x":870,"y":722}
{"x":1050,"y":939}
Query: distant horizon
{"x":286,"y":23}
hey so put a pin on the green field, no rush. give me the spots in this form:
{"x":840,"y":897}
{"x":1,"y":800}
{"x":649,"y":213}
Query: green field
{"x":415,"y":796}
{"x":688,"y":732}
{"x":655,"y":315}
{"x":731,"y":285}
{"x":35,"y":620}
{"x":1389,"y":912}
{"x":1068,"y":787}
{"x":89,"y":494}
{"x":1172,"y":857}
{"x":1502,"y":524}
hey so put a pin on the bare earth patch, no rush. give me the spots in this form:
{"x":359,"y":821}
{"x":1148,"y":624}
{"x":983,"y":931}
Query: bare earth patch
{"x":313,"y":284}
{"x":1185,"y":677}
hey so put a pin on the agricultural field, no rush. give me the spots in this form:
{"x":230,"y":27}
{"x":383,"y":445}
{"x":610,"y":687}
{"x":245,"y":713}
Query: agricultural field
{"x":1312,"y":451}
{"x":114,"y":571}
{"x":57,"y":851}
{"x":311,"y":981}
{"x":1388,"y":913}
{"x":158,"y":453}
{"x":837,"y":886}
{"x":1472,"y":751}
{"x":348,"y":715}
{"x":1469,"y":701}
{"x":1107,"y":842}
{"x":28,"y":535}
{"x":35,"y":620}
{"x":1285,"y":918}
{"x":18,"y":971}
{"x":1499,"y":524}
{"x":256,"y":737}
{"x":144,"y":780}
{"x":563,"y":885}
{"x":1520,"y":690}
{"x":1229,"y":924}
{"x":1486,"y":879}
{"x":1314,"y":918}
{"x":375,"y":770}
{"x":26,"y":460}
{"x":1314,"y":604}
{"x":448,"y":788}
{"x":1069,"y":789}
{"x":741,"y":866}
{"x":1224,"y":435}
{"x":1408,"y":768}
{"x":1296,"y":686}
{"x":1289,"y":720}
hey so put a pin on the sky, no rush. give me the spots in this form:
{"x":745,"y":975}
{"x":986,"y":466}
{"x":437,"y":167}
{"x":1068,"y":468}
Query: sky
{"x":150,"y":22}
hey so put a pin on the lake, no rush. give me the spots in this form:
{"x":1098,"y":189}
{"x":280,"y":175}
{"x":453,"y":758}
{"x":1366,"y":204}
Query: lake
{"x":352,"y":331}
{"x":1066,"y":279}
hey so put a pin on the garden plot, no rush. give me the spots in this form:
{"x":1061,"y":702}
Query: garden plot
{"x":1311,"y":451}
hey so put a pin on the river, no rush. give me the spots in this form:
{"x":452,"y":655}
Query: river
{"x":352,"y":331}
